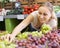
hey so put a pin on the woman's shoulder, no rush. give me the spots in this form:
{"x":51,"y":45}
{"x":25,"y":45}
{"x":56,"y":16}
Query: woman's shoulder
{"x":52,"y":22}
{"x":34,"y":13}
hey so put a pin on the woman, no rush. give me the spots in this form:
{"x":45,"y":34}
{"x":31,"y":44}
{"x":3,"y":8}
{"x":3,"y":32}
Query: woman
{"x":44,"y":14}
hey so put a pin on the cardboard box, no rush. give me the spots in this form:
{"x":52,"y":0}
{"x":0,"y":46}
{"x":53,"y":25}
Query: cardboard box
{"x":40,"y":0}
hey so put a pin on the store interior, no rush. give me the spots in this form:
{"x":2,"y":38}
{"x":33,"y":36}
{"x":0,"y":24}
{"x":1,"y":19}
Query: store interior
{"x":13,"y":12}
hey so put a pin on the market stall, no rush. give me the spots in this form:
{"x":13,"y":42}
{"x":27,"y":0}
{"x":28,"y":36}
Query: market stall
{"x":12,"y":12}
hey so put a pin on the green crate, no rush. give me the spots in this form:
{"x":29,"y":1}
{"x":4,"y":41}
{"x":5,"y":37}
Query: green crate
{"x":10,"y":24}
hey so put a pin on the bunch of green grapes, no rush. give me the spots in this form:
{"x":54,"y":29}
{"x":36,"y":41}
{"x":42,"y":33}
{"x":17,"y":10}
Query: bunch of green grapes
{"x":45,"y":28}
{"x":6,"y":44}
{"x":22,"y":35}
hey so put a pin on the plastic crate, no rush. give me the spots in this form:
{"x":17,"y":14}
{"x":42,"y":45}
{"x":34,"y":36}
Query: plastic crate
{"x":10,"y":24}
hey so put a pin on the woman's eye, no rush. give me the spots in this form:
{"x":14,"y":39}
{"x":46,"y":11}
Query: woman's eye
{"x":40,"y":13}
{"x":44,"y":14}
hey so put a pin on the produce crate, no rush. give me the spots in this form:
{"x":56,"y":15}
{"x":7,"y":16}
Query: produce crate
{"x":58,"y":22}
{"x":40,"y":1}
{"x":9,"y":5}
{"x":10,"y":24}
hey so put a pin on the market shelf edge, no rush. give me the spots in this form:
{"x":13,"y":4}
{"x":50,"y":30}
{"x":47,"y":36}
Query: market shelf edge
{"x":15,"y":16}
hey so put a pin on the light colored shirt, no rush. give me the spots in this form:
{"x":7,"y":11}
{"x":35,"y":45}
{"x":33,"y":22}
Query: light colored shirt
{"x":52,"y":22}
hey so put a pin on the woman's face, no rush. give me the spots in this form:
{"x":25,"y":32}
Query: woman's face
{"x":44,"y":14}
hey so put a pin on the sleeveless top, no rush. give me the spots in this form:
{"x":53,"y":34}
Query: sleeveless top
{"x":52,"y":22}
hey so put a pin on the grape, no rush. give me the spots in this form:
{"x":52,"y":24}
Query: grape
{"x":40,"y":46}
{"x":54,"y":45}
{"x":2,"y":45}
{"x":49,"y":40}
{"x":45,"y":28}
{"x":43,"y":40}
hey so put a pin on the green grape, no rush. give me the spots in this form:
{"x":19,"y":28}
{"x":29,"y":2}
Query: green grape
{"x":40,"y":34}
{"x":26,"y":33}
{"x":2,"y":45}
{"x":34,"y":33}
{"x":11,"y":46}
{"x":45,"y":28}
{"x":23,"y":35}
{"x":6,"y":42}
{"x":19,"y":36}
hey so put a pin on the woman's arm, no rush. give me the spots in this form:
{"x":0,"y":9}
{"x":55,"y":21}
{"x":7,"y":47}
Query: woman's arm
{"x":22,"y":25}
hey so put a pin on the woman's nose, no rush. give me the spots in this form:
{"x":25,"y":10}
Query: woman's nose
{"x":41,"y":16}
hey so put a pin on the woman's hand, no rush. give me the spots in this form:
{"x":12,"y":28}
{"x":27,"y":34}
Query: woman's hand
{"x":11,"y":38}
{"x":8,"y":37}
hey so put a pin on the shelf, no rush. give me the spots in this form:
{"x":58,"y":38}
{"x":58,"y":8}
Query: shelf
{"x":1,"y":18}
{"x":16,"y":16}
{"x":13,"y":16}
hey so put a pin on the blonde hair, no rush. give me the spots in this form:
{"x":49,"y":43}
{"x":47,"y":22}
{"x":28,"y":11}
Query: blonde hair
{"x":50,"y":7}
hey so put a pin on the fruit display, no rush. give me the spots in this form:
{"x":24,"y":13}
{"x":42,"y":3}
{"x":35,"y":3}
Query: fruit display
{"x":48,"y":40}
{"x":3,"y":33}
{"x":45,"y":28}
{"x":15,"y":11}
{"x":31,"y":8}
{"x":5,"y":44}
{"x":26,"y":34}
{"x":23,"y":10}
{"x":35,"y":39}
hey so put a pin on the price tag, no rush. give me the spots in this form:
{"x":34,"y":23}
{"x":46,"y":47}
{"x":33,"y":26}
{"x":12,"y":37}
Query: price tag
{"x":20,"y":16}
{"x":1,"y":18}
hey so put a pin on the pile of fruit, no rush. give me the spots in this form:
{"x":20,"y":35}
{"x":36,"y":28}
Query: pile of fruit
{"x":43,"y":39}
{"x":24,"y":10}
{"x":46,"y":38}
{"x":15,"y":11}
{"x":31,"y":8}
{"x":6,"y":44}
{"x":44,"y":29}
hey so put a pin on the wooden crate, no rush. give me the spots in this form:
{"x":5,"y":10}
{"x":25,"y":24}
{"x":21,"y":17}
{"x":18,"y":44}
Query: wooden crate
{"x":0,"y":5}
{"x":9,"y":5}
{"x":40,"y":1}
{"x":23,"y":2}
{"x":56,"y":2}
